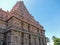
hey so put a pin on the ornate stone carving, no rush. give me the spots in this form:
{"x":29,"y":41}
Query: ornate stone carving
{"x":16,"y":38}
{"x":2,"y":24}
{"x":17,"y":23}
{"x":14,"y":32}
{"x":25,"y":26}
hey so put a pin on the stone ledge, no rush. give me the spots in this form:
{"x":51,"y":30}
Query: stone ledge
{"x":21,"y":30}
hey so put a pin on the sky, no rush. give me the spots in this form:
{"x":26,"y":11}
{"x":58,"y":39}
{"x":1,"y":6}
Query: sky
{"x":47,"y":12}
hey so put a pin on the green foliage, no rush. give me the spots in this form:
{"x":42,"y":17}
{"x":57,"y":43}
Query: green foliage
{"x":56,"y":41}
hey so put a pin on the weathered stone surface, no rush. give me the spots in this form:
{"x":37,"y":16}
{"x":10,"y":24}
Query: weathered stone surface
{"x":1,"y":38}
{"x":2,"y":24}
{"x":18,"y":27}
{"x":25,"y":26}
{"x":16,"y":38}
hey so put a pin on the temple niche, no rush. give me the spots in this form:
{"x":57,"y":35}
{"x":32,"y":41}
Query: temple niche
{"x":18,"y":27}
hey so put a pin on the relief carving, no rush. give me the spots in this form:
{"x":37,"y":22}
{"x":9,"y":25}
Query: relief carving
{"x":25,"y":26}
{"x":8,"y":38}
{"x":2,"y":25}
{"x":11,"y":24}
{"x":33,"y":29}
{"x":16,"y":39}
{"x":17,"y":23}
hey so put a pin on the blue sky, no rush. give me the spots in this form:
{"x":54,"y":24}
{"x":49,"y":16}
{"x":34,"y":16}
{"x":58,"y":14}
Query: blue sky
{"x":47,"y":12}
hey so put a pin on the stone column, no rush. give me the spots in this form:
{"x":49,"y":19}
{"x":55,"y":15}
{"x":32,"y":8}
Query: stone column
{"x":40,"y":43}
{"x":26,"y":39}
{"x":1,"y":38}
{"x":45,"y":41}
{"x":8,"y":38}
{"x":22,"y":36}
{"x":32,"y":40}
{"x":29,"y":39}
{"x":16,"y":38}
{"x":37,"y":40}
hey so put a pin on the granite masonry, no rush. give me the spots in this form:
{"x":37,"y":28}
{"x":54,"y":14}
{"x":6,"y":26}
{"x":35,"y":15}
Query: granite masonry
{"x":18,"y":27}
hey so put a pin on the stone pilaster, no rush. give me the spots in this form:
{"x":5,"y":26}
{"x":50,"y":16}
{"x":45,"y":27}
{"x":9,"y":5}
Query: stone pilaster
{"x":1,"y":38}
{"x":32,"y":40}
{"x":26,"y":39}
{"x":16,"y":38}
{"x":8,"y":38}
{"x":37,"y":40}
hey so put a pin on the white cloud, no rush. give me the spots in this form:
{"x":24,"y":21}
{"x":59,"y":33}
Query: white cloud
{"x":50,"y":43}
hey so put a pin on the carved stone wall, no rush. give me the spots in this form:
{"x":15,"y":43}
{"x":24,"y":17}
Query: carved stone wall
{"x":2,"y":24}
{"x":33,"y":29}
{"x":16,"y":22}
{"x":18,"y":27}
{"x":25,"y":26}
{"x":32,"y":40}
{"x":37,"y":41}
{"x":39,"y":31}
{"x":1,"y":38}
{"x":10,"y":22}
{"x":26,"y":39}
{"x":16,"y":38}
{"x":3,"y":15}
{"x":8,"y":38}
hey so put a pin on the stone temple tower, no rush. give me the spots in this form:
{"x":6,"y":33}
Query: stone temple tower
{"x":18,"y":27}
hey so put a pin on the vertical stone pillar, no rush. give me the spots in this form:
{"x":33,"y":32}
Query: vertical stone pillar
{"x":26,"y":39}
{"x":40,"y":41}
{"x":16,"y":38}
{"x":44,"y":41}
{"x":22,"y":36}
{"x":1,"y":38}
{"x":32,"y":40}
{"x":29,"y":39}
{"x":37,"y":40}
{"x":35,"y":43}
{"x":8,"y":38}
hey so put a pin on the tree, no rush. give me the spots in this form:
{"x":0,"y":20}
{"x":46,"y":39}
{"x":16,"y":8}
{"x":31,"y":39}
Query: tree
{"x":47,"y":39}
{"x":56,"y":40}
